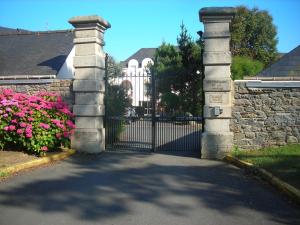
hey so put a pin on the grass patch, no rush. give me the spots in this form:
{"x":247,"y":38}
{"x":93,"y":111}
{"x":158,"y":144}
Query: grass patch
{"x":284,"y":162}
{"x":3,"y":174}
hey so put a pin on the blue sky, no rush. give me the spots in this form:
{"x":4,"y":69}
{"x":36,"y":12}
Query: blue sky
{"x":142,"y":23}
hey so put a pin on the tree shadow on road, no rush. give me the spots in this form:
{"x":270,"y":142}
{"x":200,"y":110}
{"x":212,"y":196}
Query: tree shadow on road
{"x":96,"y":188}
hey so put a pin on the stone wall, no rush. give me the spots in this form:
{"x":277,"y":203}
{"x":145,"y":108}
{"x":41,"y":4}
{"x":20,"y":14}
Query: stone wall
{"x":62,"y":87}
{"x":266,"y":114}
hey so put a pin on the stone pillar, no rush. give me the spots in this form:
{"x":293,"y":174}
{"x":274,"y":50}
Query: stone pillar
{"x":89,"y":85}
{"x":218,"y":86}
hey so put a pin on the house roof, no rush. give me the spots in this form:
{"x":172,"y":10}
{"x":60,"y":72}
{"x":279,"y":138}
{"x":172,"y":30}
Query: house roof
{"x":10,"y":30}
{"x":287,"y":66}
{"x":33,"y":53}
{"x":141,"y":54}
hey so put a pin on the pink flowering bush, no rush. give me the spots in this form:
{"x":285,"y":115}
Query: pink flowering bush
{"x":37,"y":123}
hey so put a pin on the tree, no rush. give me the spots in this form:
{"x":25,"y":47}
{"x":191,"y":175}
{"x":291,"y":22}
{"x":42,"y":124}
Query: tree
{"x":244,"y":66}
{"x":114,"y":69}
{"x":116,"y":101}
{"x":116,"y":98}
{"x":253,"y":34}
{"x":178,"y":74}
{"x":190,"y":86}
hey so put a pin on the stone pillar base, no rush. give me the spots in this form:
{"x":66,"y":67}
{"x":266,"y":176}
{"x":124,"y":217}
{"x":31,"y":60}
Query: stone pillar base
{"x":216,"y":146}
{"x":89,"y":140}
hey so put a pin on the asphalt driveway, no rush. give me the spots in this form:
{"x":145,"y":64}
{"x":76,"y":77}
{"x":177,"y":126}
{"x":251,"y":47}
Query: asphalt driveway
{"x":141,"y":189}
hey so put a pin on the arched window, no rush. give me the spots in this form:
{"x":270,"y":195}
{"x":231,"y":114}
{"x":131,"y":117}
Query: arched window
{"x":146,"y":62}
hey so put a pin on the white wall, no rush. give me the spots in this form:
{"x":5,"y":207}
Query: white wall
{"x":67,"y":71}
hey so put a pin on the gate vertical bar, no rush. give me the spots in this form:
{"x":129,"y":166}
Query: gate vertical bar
{"x":105,"y":100}
{"x":153,"y":111}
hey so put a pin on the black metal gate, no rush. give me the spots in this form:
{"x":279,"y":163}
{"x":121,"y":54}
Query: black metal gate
{"x":138,"y":124}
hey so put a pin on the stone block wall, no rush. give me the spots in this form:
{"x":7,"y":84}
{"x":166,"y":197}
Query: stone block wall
{"x":62,"y":87}
{"x":266,"y":114}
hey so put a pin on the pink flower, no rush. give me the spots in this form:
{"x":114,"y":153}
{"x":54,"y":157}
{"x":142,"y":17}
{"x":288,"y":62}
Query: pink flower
{"x":60,"y":126}
{"x":28,"y":131}
{"x":12,"y":127}
{"x":8,"y":109}
{"x":66,"y":134}
{"x":14,"y":121}
{"x":70,"y":124}
{"x":8,"y":92}
{"x":22,"y":124}
{"x":58,"y":123}
{"x":20,"y":131}
{"x":45,"y":126}
{"x":20,"y":114}
{"x":30,"y":119}
{"x":65,"y":110}
{"x":6,"y":128}
{"x":5,"y":115}
{"x":44,"y":148}
{"x":55,"y":121}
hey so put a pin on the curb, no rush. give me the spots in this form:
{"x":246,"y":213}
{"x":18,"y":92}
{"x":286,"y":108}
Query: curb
{"x":37,"y":162}
{"x":282,"y":186}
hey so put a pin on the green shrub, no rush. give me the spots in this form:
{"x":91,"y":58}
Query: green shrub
{"x":244,"y":66}
{"x":114,"y":128}
{"x":116,"y":102}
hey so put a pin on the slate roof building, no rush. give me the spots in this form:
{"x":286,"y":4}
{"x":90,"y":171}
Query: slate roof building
{"x":288,"y":66}
{"x":28,"y":55}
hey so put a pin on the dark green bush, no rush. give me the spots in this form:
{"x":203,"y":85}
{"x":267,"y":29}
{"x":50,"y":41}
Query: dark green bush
{"x":114,"y":129}
{"x":244,"y":66}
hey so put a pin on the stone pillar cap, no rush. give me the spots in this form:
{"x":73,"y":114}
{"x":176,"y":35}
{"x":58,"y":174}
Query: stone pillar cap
{"x":78,"y":21}
{"x":223,"y":12}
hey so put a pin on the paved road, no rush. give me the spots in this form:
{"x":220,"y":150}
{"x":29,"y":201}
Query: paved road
{"x":141,"y":189}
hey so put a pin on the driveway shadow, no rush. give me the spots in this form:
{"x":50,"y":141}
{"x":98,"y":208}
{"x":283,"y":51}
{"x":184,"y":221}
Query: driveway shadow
{"x":106,"y":186}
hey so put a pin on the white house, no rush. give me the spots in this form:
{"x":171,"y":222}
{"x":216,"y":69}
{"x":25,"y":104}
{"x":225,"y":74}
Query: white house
{"x":136,"y":77}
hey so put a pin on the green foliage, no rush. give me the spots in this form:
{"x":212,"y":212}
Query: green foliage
{"x":3,"y":174}
{"x":116,"y":101}
{"x":177,"y":80}
{"x":244,"y":66}
{"x":253,"y":34}
{"x":114,"y":69}
{"x":170,"y":101}
{"x":114,"y":129}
